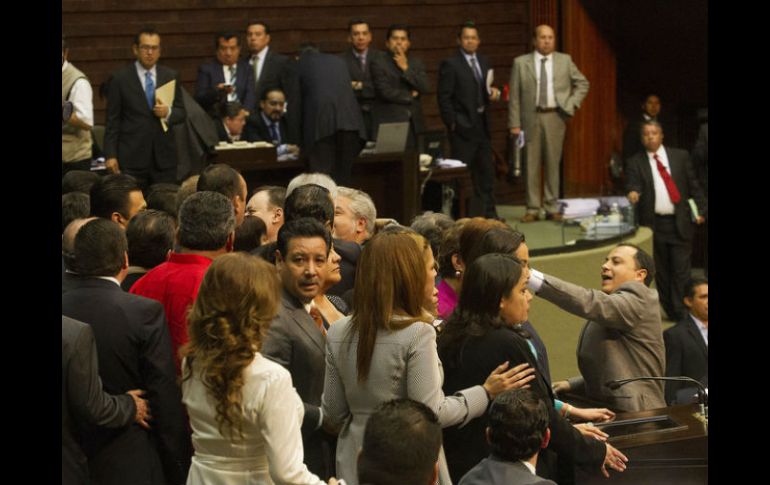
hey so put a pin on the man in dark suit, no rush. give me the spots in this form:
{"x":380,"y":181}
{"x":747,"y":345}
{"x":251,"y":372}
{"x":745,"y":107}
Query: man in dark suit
{"x":232,"y":126}
{"x":660,"y":181}
{"x":295,"y":339}
{"x":333,"y":130}
{"x":270,"y":125}
{"x":225,"y":79}
{"x":463,"y":99}
{"x":687,"y":347}
{"x":134,"y":353}
{"x":358,"y":59}
{"x":274,"y":70}
{"x":135,"y":138}
{"x":399,"y":83}
{"x":632,"y":143}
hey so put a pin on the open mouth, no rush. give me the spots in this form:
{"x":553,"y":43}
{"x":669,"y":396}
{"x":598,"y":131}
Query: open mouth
{"x":606,"y":277}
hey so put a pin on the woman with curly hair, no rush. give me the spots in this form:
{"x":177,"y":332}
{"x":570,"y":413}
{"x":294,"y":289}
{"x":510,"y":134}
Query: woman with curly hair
{"x":244,"y":411}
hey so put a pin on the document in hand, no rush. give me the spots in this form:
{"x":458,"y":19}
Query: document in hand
{"x":166,"y":95}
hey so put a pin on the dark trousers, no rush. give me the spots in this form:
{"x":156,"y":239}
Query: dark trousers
{"x":672,"y":256}
{"x":334,"y":155}
{"x":477,"y":154}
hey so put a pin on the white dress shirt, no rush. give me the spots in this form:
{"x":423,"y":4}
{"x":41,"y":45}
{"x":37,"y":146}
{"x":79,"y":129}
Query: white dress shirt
{"x":81,"y":95}
{"x":141,"y":72}
{"x":229,"y":80}
{"x":549,"y":72}
{"x":260,"y":58}
{"x":704,"y":330}
{"x":663,"y":204}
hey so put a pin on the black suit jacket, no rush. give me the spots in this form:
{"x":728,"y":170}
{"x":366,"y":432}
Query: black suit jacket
{"x":82,"y":399}
{"x":394,"y":87}
{"x":134,"y":353}
{"x":133,"y":134}
{"x":366,"y":95}
{"x":460,"y":96}
{"x":328,"y":102}
{"x":639,"y":179}
{"x":211,"y":74}
{"x":686,"y":355}
{"x":279,"y":71}
{"x":260,"y":131}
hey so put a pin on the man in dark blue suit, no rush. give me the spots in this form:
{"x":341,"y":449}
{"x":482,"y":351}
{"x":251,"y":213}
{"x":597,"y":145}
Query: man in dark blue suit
{"x":463,"y":100}
{"x":136,"y":141}
{"x":358,"y":59}
{"x":225,"y":79}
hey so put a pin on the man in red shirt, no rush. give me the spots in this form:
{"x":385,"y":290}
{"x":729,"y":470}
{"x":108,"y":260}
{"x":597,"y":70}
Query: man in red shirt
{"x":206,"y":230}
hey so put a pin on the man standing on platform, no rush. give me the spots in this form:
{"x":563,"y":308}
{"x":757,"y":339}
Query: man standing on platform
{"x":661,"y":181}
{"x":546,"y":89}
{"x":226,"y":79}
{"x":358,"y":59}
{"x":463,"y":99}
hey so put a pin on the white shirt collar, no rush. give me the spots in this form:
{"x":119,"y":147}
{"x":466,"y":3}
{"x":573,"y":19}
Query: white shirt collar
{"x":539,"y":56}
{"x":141,"y":70}
{"x":109,"y":278}
{"x":64,"y":65}
{"x":529,"y":466}
{"x":261,"y":54}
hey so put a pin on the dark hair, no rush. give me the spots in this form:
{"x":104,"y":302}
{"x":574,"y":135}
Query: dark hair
{"x":231,"y":109}
{"x":357,"y":21}
{"x":650,"y":123}
{"x":111,"y":193}
{"x":692,"y":283}
{"x":503,"y":240}
{"x":100,"y":248}
{"x":401,"y":444}
{"x":647,"y":96}
{"x":518,"y":420}
{"x":206,"y":219}
{"x":487,"y":280}
{"x":146,"y":30}
{"x":643,"y":261}
{"x":266,"y":252}
{"x":309,"y":200}
{"x":226,"y":35}
{"x":221,"y":178}
{"x":305,"y":227}
{"x":150,"y":236}
{"x":394,"y":27}
{"x":276,"y":194}
{"x":269,"y":90}
{"x":450,"y":245}
{"x":468,"y":24}
{"x":259,"y":22}
{"x":78,"y":181}
{"x":472,"y":232}
{"x":162,"y":196}
{"x":74,"y":205}
{"x":432,"y":226}
{"x":248,"y":236}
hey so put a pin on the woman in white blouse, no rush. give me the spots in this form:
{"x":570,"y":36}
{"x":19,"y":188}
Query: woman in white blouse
{"x":244,"y":411}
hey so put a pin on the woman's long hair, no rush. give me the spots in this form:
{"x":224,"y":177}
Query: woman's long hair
{"x":391,"y":275}
{"x":488,"y":279}
{"x":237,"y":300}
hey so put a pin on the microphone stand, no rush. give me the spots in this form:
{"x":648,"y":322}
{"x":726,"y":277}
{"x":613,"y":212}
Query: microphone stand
{"x":702,"y":390}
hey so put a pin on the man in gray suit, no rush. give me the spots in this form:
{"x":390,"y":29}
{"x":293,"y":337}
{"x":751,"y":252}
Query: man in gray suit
{"x":517,"y":430}
{"x":297,"y":336}
{"x":623,"y":337}
{"x":540,"y":110}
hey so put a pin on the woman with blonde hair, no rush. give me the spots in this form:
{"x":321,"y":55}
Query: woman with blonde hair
{"x":244,"y":411}
{"x":387,"y":349}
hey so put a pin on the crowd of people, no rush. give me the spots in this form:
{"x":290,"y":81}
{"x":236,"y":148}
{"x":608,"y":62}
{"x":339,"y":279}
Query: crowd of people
{"x":218,"y":333}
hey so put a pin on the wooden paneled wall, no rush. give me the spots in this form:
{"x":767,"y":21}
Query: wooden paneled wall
{"x":100,"y":34}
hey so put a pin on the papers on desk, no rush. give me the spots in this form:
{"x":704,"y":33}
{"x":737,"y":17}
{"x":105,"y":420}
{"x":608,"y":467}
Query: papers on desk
{"x":238,"y":145}
{"x":165,"y":94}
{"x":576,"y":208}
{"x":450,"y":163}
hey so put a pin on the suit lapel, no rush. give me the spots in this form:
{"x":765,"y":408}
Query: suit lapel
{"x":692,"y":327}
{"x":530,"y":66}
{"x":304,"y":322}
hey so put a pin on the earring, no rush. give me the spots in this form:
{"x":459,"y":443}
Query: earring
{"x":458,"y":274}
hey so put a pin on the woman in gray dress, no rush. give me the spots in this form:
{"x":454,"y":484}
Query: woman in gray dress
{"x":387,"y":349}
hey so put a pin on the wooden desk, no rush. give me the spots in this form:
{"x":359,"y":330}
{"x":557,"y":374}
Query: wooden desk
{"x":458,"y":177}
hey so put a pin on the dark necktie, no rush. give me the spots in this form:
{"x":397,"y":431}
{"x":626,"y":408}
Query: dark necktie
{"x":318,"y":319}
{"x":476,"y":70}
{"x":274,"y":133}
{"x":362,"y":63}
{"x":543,"y":96}
{"x":673,"y":192}
{"x":149,"y":89}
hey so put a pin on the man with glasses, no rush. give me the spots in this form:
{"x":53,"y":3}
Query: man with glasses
{"x":139,"y":135}
{"x":270,"y":124}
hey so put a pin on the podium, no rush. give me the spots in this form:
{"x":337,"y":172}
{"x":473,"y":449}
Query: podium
{"x":663,"y":446}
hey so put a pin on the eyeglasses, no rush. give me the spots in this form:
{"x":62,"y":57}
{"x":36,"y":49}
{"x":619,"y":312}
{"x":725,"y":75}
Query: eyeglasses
{"x":149,"y":48}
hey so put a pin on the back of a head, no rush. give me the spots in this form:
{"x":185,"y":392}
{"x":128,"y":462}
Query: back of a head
{"x":74,"y":205}
{"x":472,"y":233}
{"x":221,"y":178}
{"x":401,"y":445}
{"x":111,"y":193}
{"x":163,"y":197}
{"x":206,"y":219}
{"x":78,"y":181}
{"x":312,"y":178}
{"x":248,"y":236}
{"x":309,"y":200}
{"x":100,"y":248}
{"x":432,"y":226}
{"x":150,"y":237}
{"x":504,"y":240}
{"x":518,"y":420}
{"x":450,"y":245}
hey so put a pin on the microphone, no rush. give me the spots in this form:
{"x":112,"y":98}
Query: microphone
{"x":703,"y":392}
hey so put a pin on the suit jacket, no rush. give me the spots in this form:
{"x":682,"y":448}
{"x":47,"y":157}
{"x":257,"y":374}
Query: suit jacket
{"x":210,"y":74}
{"x":494,"y":471}
{"x":195,"y":139}
{"x":328,"y":102}
{"x":248,"y":133}
{"x":686,"y":355}
{"x":280,"y":71}
{"x":366,"y":95}
{"x":260,"y":131}
{"x":133,"y":133}
{"x":569,"y":84}
{"x":83,"y":400}
{"x":460,"y":96}
{"x":394,"y":92}
{"x":639,"y":179}
{"x":622,"y":339}
{"x":134,"y":353}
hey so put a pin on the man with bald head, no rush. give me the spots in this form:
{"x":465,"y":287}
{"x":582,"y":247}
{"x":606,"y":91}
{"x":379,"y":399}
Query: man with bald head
{"x":546,"y":89}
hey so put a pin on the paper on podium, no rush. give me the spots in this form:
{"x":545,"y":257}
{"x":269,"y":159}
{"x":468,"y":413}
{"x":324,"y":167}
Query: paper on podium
{"x":166,"y":95}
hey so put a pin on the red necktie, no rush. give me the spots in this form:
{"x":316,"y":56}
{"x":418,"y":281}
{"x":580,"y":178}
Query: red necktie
{"x":318,"y":319}
{"x":673,"y":192}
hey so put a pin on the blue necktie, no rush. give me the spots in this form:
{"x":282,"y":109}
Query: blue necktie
{"x":274,"y":133}
{"x":149,"y":89}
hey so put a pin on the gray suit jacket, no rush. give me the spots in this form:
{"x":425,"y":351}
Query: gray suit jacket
{"x":493,"y":471}
{"x":623,"y":338}
{"x":569,"y":84}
